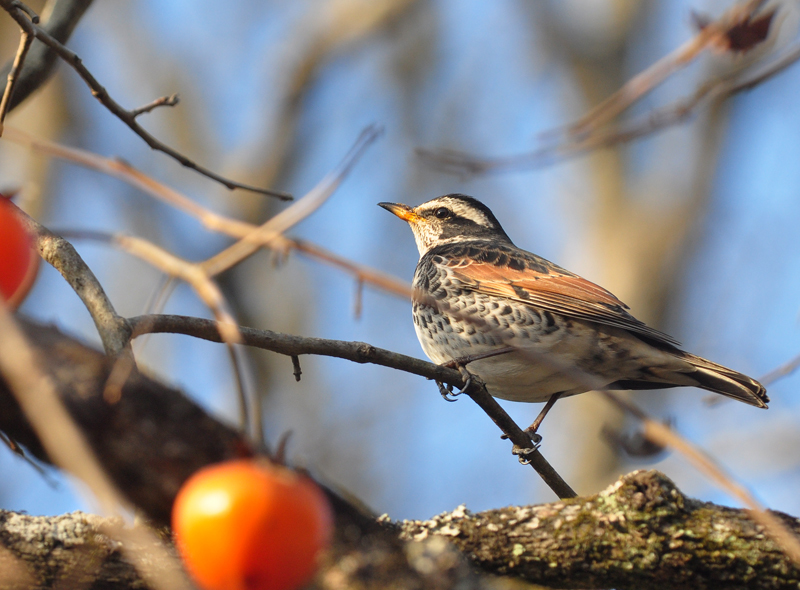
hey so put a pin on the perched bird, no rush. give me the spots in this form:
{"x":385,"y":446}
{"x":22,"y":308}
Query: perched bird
{"x":554,"y":333}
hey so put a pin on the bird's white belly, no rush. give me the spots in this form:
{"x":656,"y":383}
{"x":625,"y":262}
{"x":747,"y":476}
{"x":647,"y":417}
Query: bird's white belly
{"x":558,"y":356}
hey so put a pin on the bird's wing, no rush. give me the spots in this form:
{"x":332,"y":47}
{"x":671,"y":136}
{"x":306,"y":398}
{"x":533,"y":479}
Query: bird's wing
{"x":532,"y":280}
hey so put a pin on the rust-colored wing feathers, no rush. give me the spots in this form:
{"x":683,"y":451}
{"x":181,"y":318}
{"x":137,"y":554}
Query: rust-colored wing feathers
{"x":544,"y":285}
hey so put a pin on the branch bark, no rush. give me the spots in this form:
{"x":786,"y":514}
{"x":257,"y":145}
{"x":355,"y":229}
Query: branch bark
{"x":149,"y":440}
{"x":75,"y":551}
{"x":640,"y":532}
{"x":67,"y":551}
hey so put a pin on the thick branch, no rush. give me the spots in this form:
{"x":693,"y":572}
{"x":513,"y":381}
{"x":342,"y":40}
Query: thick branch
{"x":641,"y":532}
{"x":67,"y":551}
{"x":149,"y":440}
{"x":76,"y":550}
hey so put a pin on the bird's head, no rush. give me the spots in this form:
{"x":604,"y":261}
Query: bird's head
{"x":448,"y":219}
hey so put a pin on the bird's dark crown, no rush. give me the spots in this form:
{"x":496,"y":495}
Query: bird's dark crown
{"x":460,"y":216}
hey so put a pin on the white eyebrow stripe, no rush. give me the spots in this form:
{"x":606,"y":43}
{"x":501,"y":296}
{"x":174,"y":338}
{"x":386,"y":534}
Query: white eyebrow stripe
{"x":459,"y":209}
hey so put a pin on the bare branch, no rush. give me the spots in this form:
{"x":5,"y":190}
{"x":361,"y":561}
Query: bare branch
{"x":13,"y":75}
{"x":58,"y":252}
{"x":295,"y":213}
{"x":359,"y":352}
{"x":211,"y":220}
{"x":711,"y":35}
{"x":127,"y":117}
{"x":586,"y":134}
{"x":164,"y":101}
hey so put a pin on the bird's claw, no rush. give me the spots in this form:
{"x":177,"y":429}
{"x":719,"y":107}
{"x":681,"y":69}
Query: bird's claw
{"x":446,"y":391}
{"x":467,"y":384}
{"x":523,"y":453}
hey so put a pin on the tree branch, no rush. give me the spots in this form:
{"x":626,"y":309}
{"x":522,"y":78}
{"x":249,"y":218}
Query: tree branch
{"x":41,"y":60}
{"x":359,"y":352}
{"x":640,"y":532}
{"x":79,"y":550}
{"x":124,"y":115}
{"x":149,"y":440}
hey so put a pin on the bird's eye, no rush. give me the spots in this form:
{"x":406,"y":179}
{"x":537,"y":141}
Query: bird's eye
{"x":442,"y":213}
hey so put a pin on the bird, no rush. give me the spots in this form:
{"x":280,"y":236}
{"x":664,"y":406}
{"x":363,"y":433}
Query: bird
{"x":529,"y":329}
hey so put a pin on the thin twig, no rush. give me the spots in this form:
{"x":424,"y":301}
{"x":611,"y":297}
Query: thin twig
{"x":296,"y":370}
{"x":126,"y":116}
{"x":25,"y":41}
{"x":585,"y":135}
{"x":358,"y":352}
{"x":164,"y":101}
{"x":295,"y":213}
{"x":209,"y":219}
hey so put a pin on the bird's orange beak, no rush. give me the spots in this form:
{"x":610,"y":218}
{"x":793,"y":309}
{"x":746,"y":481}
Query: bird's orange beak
{"x":402,"y":211}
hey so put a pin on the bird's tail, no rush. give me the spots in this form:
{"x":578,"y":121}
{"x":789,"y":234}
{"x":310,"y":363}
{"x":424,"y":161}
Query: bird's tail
{"x":704,"y":374}
{"x":719,"y":379}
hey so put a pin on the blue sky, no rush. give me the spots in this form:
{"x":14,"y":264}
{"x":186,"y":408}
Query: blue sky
{"x":477,"y":76}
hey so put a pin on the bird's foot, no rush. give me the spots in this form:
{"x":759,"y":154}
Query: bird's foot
{"x":447,"y":393}
{"x":531,"y":430}
{"x":523,"y":454}
{"x":467,"y":377}
{"x":446,"y":390}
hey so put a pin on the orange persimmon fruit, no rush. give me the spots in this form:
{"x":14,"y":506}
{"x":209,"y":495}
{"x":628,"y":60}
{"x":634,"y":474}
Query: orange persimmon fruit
{"x":249,"y":524}
{"x":18,"y":259}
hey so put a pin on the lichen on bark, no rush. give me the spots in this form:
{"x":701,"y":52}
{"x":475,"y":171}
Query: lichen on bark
{"x":640,"y":532}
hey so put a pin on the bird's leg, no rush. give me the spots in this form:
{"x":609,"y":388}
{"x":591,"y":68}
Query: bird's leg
{"x":466,"y":376}
{"x":460,"y":363}
{"x":547,"y":407}
{"x":531,"y":430}
{"x":463,"y":361}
